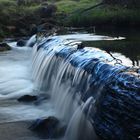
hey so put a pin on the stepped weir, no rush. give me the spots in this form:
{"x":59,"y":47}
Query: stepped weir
{"x":89,"y":92}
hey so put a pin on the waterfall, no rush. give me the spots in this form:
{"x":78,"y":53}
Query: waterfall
{"x":31,"y":41}
{"x":79,"y":127}
{"x":75,"y":79}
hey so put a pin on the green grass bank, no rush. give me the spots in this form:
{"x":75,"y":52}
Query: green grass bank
{"x":17,"y":20}
{"x":101,"y":15}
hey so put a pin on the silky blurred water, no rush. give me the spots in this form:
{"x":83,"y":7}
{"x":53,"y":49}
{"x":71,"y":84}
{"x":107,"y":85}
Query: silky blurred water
{"x":25,"y":71}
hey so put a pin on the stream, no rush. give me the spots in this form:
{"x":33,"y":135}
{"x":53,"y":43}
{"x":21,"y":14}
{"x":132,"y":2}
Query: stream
{"x":20,"y":74}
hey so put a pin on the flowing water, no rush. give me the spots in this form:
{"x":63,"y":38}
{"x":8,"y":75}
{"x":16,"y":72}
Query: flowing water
{"x":48,"y":72}
{"x":16,"y":81}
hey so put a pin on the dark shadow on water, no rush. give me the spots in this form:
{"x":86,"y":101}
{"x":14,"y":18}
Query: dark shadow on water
{"x":129,"y":47}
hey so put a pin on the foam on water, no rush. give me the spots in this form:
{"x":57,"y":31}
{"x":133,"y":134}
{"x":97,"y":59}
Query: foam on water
{"x":15,"y":81}
{"x":73,"y":79}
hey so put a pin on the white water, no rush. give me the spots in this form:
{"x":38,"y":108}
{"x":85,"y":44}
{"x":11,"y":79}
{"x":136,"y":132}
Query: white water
{"x":26,"y":71}
{"x":64,"y":84}
{"x":79,"y":127}
{"x":14,"y":73}
{"x":15,"y":81}
{"x":31,"y":40}
{"x":89,"y":37}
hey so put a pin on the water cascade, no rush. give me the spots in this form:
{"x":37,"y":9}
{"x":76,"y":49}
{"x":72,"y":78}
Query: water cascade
{"x":89,"y":94}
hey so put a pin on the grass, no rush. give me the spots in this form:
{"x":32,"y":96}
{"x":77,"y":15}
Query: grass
{"x":71,"y":6}
{"x":102,"y":15}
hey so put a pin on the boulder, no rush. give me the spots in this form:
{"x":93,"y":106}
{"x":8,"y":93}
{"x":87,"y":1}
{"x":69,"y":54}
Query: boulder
{"x":80,"y":46}
{"x":27,"y":98}
{"x":21,"y":43}
{"x":4,"y":47}
{"x":43,"y":124}
{"x":49,"y":127}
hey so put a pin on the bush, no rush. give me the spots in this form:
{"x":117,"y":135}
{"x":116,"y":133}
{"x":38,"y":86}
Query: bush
{"x":128,"y":3}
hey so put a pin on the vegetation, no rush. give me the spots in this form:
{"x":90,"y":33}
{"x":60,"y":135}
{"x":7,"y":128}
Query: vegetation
{"x":71,"y":6}
{"x":106,"y":13}
{"x":16,"y":19}
{"x":127,"y":3}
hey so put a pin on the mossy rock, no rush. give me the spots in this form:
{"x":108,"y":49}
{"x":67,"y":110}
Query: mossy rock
{"x":4,"y":47}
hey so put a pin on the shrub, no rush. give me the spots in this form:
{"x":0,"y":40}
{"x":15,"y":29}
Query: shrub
{"x":128,"y":3}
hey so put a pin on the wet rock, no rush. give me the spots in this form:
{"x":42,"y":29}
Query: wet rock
{"x":21,"y":43}
{"x":4,"y":47}
{"x":27,"y":98}
{"x":42,"y":124}
{"x":49,"y":127}
{"x":41,"y":98}
{"x":80,"y":46}
{"x":117,"y":115}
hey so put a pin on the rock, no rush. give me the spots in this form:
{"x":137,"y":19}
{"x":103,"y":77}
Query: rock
{"x":21,"y":43}
{"x":27,"y":98}
{"x":41,"y":98}
{"x":80,"y":46}
{"x":49,"y":127}
{"x":117,"y":115}
{"x":41,"y":124}
{"x":4,"y":47}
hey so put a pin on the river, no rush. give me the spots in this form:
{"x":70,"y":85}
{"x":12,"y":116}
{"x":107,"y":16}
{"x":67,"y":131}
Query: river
{"x":21,"y":74}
